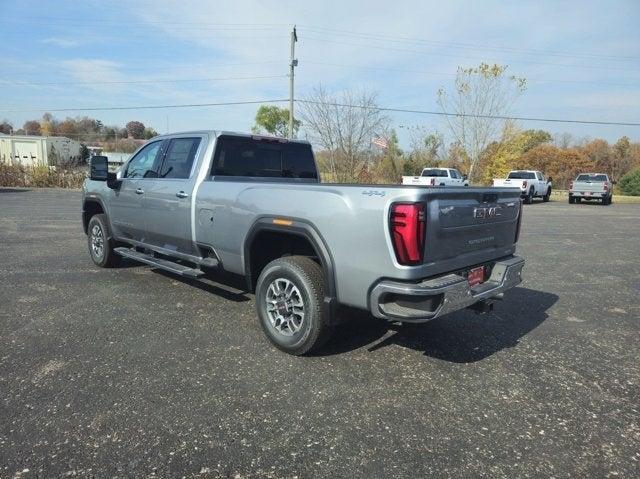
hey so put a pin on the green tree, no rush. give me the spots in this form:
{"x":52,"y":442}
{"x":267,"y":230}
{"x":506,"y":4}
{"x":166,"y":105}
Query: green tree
{"x":388,"y":168}
{"x":630,"y":183}
{"x":275,"y":121}
{"x":149,"y":133}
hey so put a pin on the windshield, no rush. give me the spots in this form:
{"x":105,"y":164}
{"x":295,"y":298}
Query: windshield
{"x":522,"y":175}
{"x":600,"y":178}
{"x":435,"y":172}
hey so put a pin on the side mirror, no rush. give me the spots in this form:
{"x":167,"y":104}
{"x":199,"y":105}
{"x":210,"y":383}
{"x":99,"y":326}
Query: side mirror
{"x":550,"y":179}
{"x":465,"y":177}
{"x":99,"y":168}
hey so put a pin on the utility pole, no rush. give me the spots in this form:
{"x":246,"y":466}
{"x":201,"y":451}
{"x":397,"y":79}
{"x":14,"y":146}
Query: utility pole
{"x":292,"y":65}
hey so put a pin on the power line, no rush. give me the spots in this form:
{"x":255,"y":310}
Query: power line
{"x":117,"y":82}
{"x":405,"y":39}
{"x":343,"y":105}
{"x":422,"y":72}
{"x":144,"y":107}
{"x":468,"y":115}
{"x":422,"y":52}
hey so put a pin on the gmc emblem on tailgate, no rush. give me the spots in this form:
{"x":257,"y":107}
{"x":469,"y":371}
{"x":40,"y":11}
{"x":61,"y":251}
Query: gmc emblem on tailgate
{"x":486,"y":213}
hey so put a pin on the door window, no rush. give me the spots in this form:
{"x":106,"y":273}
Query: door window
{"x":179,"y":158}
{"x":455,"y":174}
{"x":145,"y":163}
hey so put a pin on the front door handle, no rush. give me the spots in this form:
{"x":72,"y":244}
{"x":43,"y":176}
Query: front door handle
{"x":181,"y":194}
{"x":139,"y":191}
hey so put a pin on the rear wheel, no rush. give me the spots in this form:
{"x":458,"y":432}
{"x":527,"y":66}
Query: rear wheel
{"x":100,"y":243}
{"x":289,"y":300}
{"x":529,"y":198}
{"x":547,"y":196}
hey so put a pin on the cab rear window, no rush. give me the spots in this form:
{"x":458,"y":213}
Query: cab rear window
{"x":598,"y":178}
{"x":263,"y":158}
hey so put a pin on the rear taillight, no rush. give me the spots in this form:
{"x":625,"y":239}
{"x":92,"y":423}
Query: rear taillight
{"x":433,"y":182}
{"x":519,"y":223}
{"x":408,"y":226}
{"x":524,"y":184}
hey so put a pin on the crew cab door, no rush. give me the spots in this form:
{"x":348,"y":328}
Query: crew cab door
{"x":167,"y":202}
{"x":541,"y":183}
{"x":126,"y":203}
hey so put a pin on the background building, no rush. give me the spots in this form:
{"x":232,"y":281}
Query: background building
{"x":38,"y":150}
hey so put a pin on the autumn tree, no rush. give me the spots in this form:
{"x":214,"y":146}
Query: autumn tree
{"x":135,"y":129}
{"x":275,"y":121}
{"x":501,"y":156}
{"x":480,"y":96}
{"x":48,"y":125}
{"x":344,"y":127}
{"x":561,"y":164}
{"x":31,"y":127}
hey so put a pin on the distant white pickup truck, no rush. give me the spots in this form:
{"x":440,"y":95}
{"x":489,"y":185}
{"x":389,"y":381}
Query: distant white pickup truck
{"x":591,"y":186}
{"x":532,"y":184}
{"x":437,"y":177}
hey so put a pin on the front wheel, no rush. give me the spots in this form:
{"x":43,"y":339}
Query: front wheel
{"x":101,"y":244}
{"x":289,"y":302}
{"x":572,"y":200}
{"x":547,"y":196}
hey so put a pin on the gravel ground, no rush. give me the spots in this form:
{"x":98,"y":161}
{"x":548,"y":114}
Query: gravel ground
{"x":132,"y":372}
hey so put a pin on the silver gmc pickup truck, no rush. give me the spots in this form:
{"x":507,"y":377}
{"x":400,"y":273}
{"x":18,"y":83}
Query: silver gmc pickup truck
{"x":203,"y":202}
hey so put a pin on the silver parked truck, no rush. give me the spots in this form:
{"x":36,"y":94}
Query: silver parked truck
{"x":200,"y":203}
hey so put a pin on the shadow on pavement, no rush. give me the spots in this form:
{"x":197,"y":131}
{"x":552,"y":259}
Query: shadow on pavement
{"x":461,"y":337}
{"x":13,"y":190}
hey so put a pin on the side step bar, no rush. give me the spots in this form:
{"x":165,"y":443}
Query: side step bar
{"x":164,"y":264}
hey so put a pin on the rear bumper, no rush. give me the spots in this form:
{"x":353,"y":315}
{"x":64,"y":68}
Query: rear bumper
{"x":428,"y":299}
{"x":591,"y":194}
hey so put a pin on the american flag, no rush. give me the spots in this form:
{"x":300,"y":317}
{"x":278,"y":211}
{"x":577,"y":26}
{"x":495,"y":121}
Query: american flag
{"x":381,"y":142}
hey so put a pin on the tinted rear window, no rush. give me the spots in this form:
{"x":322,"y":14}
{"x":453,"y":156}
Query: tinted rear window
{"x":251,"y":157}
{"x":521,"y":175}
{"x":592,"y":178}
{"x":435,"y":172}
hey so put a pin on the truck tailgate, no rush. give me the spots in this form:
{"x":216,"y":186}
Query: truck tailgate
{"x":508,"y":183}
{"x":588,"y":186}
{"x":478,"y":223}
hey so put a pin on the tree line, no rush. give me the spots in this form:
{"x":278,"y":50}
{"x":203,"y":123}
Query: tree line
{"x":481,"y":142}
{"x":86,"y":130}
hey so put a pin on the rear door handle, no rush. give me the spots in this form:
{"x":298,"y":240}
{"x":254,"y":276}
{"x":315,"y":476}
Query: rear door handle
{"x":181,"y":194}
{"x":139,"y":191}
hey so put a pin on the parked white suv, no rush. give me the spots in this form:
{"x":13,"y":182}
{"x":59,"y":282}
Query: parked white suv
{"x":437,"y":177}
{"x":532,"y":184}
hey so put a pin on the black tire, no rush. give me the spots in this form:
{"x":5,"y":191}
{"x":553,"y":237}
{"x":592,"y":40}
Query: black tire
{"x":611,"y":199}
{"x":578,"y":200}
{"x":98,"y":233}
{"x":546,"y":197}
{"x":572,"y":200}
{"x":529,"y":198}
{"x":314,"y":327}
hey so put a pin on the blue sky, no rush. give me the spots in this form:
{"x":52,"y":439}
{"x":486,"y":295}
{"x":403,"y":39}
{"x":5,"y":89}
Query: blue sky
{"x":581,"y":59}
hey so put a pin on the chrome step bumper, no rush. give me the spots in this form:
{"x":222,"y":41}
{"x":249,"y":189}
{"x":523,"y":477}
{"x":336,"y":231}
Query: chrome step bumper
{"x":424,"y":301}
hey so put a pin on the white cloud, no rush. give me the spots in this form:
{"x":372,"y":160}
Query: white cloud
{"x":60,"y":42}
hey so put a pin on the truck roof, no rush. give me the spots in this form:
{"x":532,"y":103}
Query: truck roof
{"x":217,"y":133}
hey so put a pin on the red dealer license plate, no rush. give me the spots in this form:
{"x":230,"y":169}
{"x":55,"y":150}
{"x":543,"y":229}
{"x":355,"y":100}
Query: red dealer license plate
{"x":476,"y":276}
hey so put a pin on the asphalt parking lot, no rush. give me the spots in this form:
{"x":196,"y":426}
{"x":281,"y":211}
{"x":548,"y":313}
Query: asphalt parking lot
{"x":131,"y":372}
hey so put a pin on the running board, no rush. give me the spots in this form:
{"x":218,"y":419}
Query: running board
{"x":164,"y":264}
